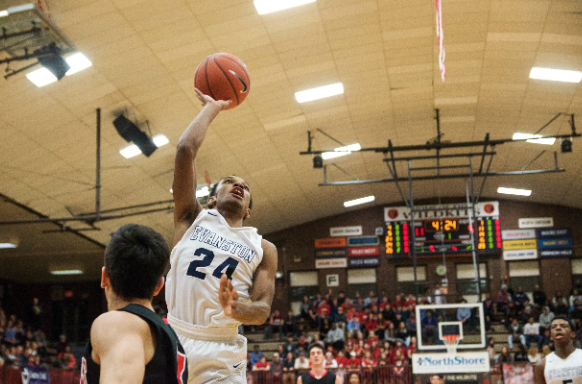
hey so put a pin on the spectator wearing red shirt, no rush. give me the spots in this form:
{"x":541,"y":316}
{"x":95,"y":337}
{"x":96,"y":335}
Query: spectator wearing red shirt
{"x":364,"y":316}
{"x":341,"y":359}
{"x":360,"y":348}
{"x":399,"y":361}
{"x":348,"y":305}
{"x":353,"y":362}
{"x":352,"y":312}
{"x":323,"y":311}
{"x":410,"y":302}
{"x":371,"y":339}
{"x":368,"y":360}
{"x":383,"y":303}
{"x":371,"y":325}
{"x":262,"y":365}
{"x":275,"y":324}
{"x":411,"y":348}
{"x":394,"y":351}
{"x":399,"y":301}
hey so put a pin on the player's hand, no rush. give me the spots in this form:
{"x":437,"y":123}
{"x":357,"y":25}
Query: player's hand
{"x":205,"y":99}
{"x":227,"y":296}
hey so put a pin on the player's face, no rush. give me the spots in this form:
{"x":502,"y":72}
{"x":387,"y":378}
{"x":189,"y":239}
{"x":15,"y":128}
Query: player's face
{"x":234,"y":189}
{"x":316,"y":356}
{"x":561,"y":332}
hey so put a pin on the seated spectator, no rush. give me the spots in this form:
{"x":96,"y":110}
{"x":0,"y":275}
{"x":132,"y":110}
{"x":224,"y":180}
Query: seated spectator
{"x":559,"y":304}
{"x":329,"y":361}
{"x":576,"y":312}
{"x":324,"y":328}
{"x":383,"y":359}
{"x":531,"y":332}
{"x":336,"y":337}
{"x":546,"y":339}
{"x":354,"y":324}
{"x":303,"y":342}
{"x":340,"y":319}
{"x":528,"y":311}
{"x":359,"y":305}
{"x":290,"y":346}
{"x":262,"y":365}
{"x":539,"y":297}
{"x":390,"y":333}
{"x":290,"y":325}
{"x":277,"y":365}
{"x":360,"y":349}
{"x":399,"y":360}
{"x":289,"y":363}
{"x":370,"y":300}
{"x":301,"y":362}
{"x":545,"y":319}
{"x":275,"y":324}
{"x":323,"y":312}
{"x":534,"y":355}
{"x":341,"y":299}
{"x":488,"y":311}
{"x":341,"y":359}
{"x":388,"y":313}
{"x":520,"y":355}
{"x":520,"y":298}
{"x":353,"y":362}
{"x":10,"y":333}
{"x":429,"y":328}
{"x":255,"y":355}
{"x":574,"y":296}
{"x":348,"y":305}
{"x":381,"y":325}
{"x":439,"y":295}
{"x":317,"y":340}
{"x":491,"y":350}
{"x":411,"y":348}
{"x":504,"y":356}
{"x":402,"y":333}
{"x":382,"y":304}
{"x":503,"y":300}
{"x":515,"y":332}
{"x":305,"y":311}
{"x":411,"y":323}
{"x":368,"y":360}
{"x":464,"y":316}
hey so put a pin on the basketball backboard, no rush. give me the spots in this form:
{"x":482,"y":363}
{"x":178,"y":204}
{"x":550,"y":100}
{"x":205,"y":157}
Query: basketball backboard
{"x":436,"y":322}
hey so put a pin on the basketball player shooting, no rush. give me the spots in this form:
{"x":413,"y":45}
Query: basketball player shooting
{"x":564,"y":365}
{"x":222,"y":274}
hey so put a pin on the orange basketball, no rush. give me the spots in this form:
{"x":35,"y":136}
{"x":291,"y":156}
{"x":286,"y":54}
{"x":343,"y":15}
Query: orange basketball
{"x":223,"y":76}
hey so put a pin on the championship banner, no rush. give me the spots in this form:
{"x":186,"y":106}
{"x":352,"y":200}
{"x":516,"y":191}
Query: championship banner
{"x":522,"y":254}
{"x":558,"y":232}
{"x":364,"y":251}
{"x":345,"y":231}
{"x":361,"y":241}
{"x":363,"y":261}
{"x":330,"y":253}
{"x":519,"y":244}
{"x":554,"y":243}
{"x":518,"y":234}
{"x":331,"y":263}
{"x":330,"y":242}
{"x":546,"y":253}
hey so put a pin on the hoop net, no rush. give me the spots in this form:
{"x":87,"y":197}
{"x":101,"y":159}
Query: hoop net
{"x":451,"y":342}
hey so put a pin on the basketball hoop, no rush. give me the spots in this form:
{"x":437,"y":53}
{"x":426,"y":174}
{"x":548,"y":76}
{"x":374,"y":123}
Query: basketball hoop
{"x":451,"y":342}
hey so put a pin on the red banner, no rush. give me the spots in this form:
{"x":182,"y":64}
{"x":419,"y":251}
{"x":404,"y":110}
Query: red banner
{"x":364,"y":251}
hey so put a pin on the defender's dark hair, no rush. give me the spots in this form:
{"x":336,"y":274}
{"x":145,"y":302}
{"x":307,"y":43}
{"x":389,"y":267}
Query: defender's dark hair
{"x":562,"y":317}
{"x":135,"y":260}
{"x":315,"y":345}
{"x":215,"y":187}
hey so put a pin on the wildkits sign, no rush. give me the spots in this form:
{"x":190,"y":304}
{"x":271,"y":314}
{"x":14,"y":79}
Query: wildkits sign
{"x":421,"y":212}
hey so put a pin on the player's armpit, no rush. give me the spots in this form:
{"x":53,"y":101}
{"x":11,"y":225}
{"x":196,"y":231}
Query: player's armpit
{"x":119,"y":347}
{"x":539,"y":368}
{"x":257,"y":312}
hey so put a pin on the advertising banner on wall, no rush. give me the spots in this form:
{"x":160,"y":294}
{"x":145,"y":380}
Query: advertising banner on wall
{"x":363,"y":261}
{"x":331,"y":263}
{"x":364,"y":251}
{"x":554,"y":243}
{"x":360,"y":241}
{"x":522,"y":254}
{"x":330,"y":253}
{"x":554,"y":232}
{"x":330,"y":242}
{"x":536,"y":222}
{"x":518,"y":234}
{"x":346,"y":231}
{"x":450,"y":363}
{"x":566,"y":252}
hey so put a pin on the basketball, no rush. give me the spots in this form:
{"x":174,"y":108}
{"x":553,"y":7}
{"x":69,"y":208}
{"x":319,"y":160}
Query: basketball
{"x":223,"y":76}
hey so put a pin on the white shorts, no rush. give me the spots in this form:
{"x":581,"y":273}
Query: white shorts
{"x":215,"y":355}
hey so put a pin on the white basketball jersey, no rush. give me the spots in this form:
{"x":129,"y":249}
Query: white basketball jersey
{"x":564,"y":371}
{"x":209,"y":248}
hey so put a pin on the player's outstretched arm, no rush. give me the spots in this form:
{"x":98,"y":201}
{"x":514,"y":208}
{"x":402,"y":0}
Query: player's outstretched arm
{"x":539,"y":368}
{"x":256,"y":312}
{"x":120,"y":347}
{"x":187,"y":207}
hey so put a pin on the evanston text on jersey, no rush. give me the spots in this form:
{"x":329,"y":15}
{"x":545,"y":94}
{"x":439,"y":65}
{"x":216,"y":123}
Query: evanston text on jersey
{"x":211,"y":238}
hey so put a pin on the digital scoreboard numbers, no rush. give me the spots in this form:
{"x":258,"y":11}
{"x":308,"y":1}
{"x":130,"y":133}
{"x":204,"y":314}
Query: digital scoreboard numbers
{"x":448,"y":235}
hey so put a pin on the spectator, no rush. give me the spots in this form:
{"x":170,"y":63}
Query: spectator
{"x":354,"y":378}
{"x":324,"y":328}
{"x":403,"y":333}
{"x":354,"y":324}
{"x":301,"y":362}
{"x":256,"y":355}
{"x":399,"y":361}
{"x":10,"y":333}
{"x":532,"y":332}
{"x":329,"y":361}
{"x":334,"y":310}
{"x":491,"y":350}
{"x":488,"y":311}
{"x":520,"y":298}
{"x":521,"y":354}
{"x":348,"y":305}
{"x":545,"y":319}
{"x":317,"y":340}
{"x":323,"y":311}
{"x":504,"y":356}
{"x":336,"y":337}
{"x":341,"y":298}
{"x":503,"y":300}
{"x":290,"y":346}
{"x":34,"y":314}
{"x":353,"y":362}
{"x":390,"y":333}
{"x":305,"y":311}
{"x":289,"y":364}
{"x":515,"y":332}
{"x":290,"y":325}
{"x":368,"y":360}
{"x":359,"y":305}
{"x":411,"y":323}
{"x":381,"y":325}
{"x":439,"y":295}
{"x":411,"y":348}
{"x":341,"y":359}
{"x":560,"y":304}
{"x":574,"y":296}
{"x":528,"y":311}
{"x":464,"y":316}
{"x":275,"y":324}
{"x":262,"y":365}
{"x":539,"y":297}
{"x":383,"y":359}
{"x":340,"y":319}
{"x":533,"y":355}
{"x":277,"y":365}
{"x":546,"y":339}
{"x":370,"y":300}
{"x":576,"y":312}
{"x":389,"y":313}
{"x":429,"y":327}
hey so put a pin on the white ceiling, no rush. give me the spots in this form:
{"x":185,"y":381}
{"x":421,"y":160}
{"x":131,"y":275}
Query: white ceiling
{"x":144,"y":54}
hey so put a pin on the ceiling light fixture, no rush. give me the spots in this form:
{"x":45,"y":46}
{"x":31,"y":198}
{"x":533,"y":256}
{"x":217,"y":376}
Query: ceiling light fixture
{"x":42,"y":76}
{"x":68,"y":272}
{"x":363,"y":200}
{"x":528,"y":137}
{"x":514,"y":191}
{"x":319,"y":92}
{"x":562,"y":75}
{"x":269,"y":6}
{"x":4,"y":13}
{"x":341,"y":151}
{"x":133,"y":150}
{"x":7,"y":245}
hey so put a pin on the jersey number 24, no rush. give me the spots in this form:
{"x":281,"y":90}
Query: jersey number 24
{"x":229,"y":264}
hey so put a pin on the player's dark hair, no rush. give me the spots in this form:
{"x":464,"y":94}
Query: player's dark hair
{"x":135,"y":260}
{"x":214,"y":187}
{"x":562,"y":317}
{"x":315,"y":345}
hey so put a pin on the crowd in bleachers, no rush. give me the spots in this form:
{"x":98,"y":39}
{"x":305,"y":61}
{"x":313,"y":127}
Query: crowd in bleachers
{"x":24,"y":343}
{"x":371,"y":331}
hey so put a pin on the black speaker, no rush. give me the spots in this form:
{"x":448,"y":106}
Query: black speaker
{"x":131,"y":132}
{"x":566,"y":145}
{"x":317,"y":161}
{"x":52,"y":60}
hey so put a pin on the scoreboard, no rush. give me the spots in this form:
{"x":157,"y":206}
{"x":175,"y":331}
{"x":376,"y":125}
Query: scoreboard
{"x":439,"y":229}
